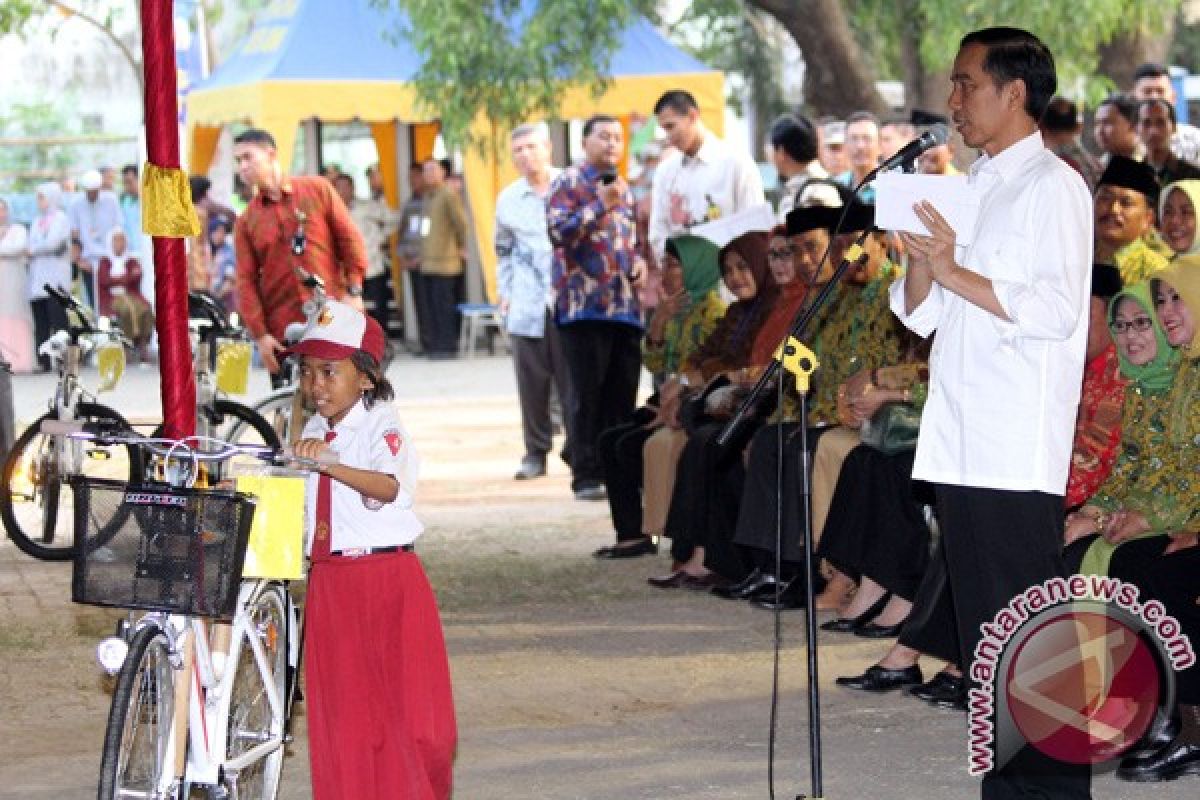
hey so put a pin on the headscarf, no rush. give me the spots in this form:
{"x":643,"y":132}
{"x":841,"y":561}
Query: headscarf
{"x":701,"y":272}
{"x":53,"y":194}
{"x":116,"y":262}
{"x":1157,"y":375}
{"x":751,"y":246}
{"x":1192,"y":189}
{"x":788,"y":301}
{"x":1183,"y":275}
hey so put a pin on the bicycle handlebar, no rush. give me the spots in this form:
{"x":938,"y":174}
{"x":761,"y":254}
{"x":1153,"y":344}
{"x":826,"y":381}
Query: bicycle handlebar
{"x":181,"y":449}
{"x":69,"y":303}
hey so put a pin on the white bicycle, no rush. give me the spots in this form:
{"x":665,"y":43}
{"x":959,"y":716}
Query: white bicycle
{"x":205,"y":680}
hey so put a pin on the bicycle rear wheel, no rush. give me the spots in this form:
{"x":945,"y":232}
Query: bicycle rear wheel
{"x":254,"y":719}
{"x":37,"y":509}
{"x":136,"y":760}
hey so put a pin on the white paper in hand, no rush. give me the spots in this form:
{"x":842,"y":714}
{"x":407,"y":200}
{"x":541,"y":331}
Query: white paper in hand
{"x":951,"y":195}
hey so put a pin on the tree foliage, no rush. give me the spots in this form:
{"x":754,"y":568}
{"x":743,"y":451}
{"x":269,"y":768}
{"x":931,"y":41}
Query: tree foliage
{"x":29,"y":164}
{"x":1073,"y":31}
{"x":509,"y":60}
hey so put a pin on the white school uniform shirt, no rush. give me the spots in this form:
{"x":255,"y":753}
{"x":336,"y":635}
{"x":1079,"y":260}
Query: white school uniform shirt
{"x":728,"y":177}
{"x":1003,"y":395}
{"x":368,"y":439}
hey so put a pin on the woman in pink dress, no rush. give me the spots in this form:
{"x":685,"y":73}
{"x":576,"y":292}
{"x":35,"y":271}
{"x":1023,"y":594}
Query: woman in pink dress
{"x":16,"y":318}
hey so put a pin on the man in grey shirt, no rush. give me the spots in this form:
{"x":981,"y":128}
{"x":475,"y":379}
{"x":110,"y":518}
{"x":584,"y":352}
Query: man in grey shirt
{"x":524,"y":258}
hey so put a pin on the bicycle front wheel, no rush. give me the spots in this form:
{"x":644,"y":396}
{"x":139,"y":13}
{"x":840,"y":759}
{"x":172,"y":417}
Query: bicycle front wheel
{"x":37,"y":509}
{"x":258,"y":702}
{"x":137,"y":761}
{"x":277,"y":409}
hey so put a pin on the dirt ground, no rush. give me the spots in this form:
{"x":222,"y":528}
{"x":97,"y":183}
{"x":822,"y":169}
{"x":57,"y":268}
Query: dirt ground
{"x":573,"y":679}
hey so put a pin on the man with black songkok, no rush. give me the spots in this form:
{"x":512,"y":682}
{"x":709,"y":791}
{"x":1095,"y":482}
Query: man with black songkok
{"x":1125,"y":199}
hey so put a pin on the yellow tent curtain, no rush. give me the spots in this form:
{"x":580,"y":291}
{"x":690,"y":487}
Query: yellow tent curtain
{"x":281,"y":106}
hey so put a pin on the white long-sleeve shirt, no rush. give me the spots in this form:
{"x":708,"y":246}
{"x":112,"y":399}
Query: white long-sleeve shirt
{"x":729,"y":178}
{"x":1003,"y":395}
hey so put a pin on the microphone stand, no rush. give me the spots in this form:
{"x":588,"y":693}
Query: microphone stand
{"x":793,"y":356}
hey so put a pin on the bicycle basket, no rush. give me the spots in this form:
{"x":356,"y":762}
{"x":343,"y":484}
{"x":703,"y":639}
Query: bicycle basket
{"x":174,"y":550}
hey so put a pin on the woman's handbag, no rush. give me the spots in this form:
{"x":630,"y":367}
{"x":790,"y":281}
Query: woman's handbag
{"x":892,"y":429}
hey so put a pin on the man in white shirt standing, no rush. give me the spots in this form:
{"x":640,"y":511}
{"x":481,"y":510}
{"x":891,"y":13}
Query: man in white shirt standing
{"x":1153,"y":81}
{"x":704,"y":179}
{"x":1009,"y":303}
{"x":524,"y":286}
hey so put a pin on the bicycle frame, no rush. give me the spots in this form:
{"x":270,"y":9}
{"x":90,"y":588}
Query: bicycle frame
{"x":196,"y":747}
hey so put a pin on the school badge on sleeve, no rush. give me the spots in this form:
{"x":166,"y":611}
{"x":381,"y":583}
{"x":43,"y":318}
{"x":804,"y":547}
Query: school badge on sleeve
{"x":394,"y":441}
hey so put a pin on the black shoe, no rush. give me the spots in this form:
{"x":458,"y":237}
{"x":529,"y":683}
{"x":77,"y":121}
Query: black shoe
{"x":852,"y":624}
{"x":753,"y":584}
{"x":642,"y":547}
{"x":531,"y":467}
{"x":942,"y":690}
{"x":1162,"y":731}
{"x":592,"y":491}
{"x":791,"y":597}
{"x":881,"y":679}
{"x":873,"y":631}
{"x":1177,"y":759}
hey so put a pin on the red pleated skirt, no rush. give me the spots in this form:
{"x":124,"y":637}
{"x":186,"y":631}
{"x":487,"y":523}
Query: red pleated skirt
{"x":377,"y":682}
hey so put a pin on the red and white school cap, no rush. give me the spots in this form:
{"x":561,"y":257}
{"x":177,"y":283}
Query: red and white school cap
{"x":338,"y":332}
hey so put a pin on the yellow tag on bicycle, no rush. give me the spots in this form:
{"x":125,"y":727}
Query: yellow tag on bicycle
{"x":110,"y":363}
{"x":233,"y":367}
{"x":276,"y":548}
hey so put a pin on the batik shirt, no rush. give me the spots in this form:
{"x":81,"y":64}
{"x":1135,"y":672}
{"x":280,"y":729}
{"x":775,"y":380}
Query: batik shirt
{"x":1137,"y":261}
{"x":683,"y":335}
{"x":1158,"y":469}
{"x":595,"y":251}
{"x":1098,"y":428}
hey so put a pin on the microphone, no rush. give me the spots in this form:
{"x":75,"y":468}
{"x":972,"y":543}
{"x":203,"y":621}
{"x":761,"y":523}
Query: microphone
{"x":937,"y":135}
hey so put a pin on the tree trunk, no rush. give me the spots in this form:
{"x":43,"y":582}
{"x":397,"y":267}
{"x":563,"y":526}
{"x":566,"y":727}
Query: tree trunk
{"x":836,"y":78}
{"x":1127,"y":51}
{"x":924,"y":87}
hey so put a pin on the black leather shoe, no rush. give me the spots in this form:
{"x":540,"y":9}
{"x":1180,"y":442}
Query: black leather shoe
{"x":642,"y":547}
{"x":531,"y":467}
{"x":943,"y":690}
{"x":881,"y":679}
{"x":673,"y":581}
{"x":840,"y":625}
{"x":1177,"y":759}
{"x":873,"y":631}
{"x":752,"y":586}
{"x":791,"y":598}
{"x":1162,"y":731}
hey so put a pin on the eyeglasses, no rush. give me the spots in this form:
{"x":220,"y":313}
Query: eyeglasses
{"x":784,"y":253}
{"x":1139,"y":324}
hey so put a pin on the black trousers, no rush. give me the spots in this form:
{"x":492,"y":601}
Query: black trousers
{"x":875,"y":528}
{"x":541,"y":370}
{"x":620,"y":451}
{"x":1172,"y":580}
{"x":375,"y":297}
{"x":48,"y":319}
{"x":996,"y":544}
{"x":437,"y":313}
{"x":604,"y":360}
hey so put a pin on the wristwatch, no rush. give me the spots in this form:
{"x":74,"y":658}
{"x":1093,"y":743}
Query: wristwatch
{"x":354,"y":291}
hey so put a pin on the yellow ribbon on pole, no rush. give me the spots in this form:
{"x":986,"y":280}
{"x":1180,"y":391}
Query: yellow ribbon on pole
{"x":167,"y":203}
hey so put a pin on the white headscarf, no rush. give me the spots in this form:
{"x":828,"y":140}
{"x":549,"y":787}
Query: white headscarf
{"x":1191,"y":188}
{"x":117,"y":262}
{"x":53,"y":194}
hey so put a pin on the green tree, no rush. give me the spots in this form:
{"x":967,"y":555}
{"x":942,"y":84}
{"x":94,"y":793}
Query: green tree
{"x":509,"y":60}
{"x":27,"y":164}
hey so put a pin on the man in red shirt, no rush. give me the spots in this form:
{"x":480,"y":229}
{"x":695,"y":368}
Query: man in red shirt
{"x":291,"y":222}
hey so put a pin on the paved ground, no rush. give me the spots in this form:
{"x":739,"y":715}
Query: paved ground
{"x":573,"y":679}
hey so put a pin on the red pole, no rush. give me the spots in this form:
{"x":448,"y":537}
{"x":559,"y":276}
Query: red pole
{"x":170,"y":258}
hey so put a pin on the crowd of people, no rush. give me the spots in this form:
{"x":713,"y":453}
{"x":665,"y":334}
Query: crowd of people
{"x":574,"y":254}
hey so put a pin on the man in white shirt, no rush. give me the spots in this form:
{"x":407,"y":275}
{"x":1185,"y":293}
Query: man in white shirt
{"x":93,"y":216}
{"x":703,"y":180}
{"x":1009,"y":302}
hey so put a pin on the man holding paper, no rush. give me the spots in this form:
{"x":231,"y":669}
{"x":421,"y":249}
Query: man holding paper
{"x":1009,"y":303}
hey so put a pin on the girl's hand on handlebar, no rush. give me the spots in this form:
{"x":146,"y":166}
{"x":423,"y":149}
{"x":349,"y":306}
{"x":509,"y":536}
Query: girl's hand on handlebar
{"x":310,"y":449}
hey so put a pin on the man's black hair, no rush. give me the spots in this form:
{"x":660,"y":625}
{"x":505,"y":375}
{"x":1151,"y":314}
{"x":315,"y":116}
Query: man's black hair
{"x":1150,"y":70}
{"x":678,"y":100}
{"x":796,"y":136}
{"x":255,"y":136}
{"x":597,"y":119}
{"x":447,"y":165}
{"x":1125,"y":105}
{"x":1162,"y":102}
{"x":199,"y":186}
{"x":1061,"y":116}
{"x":130,"y":169}
{"x":1014,"y":54}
